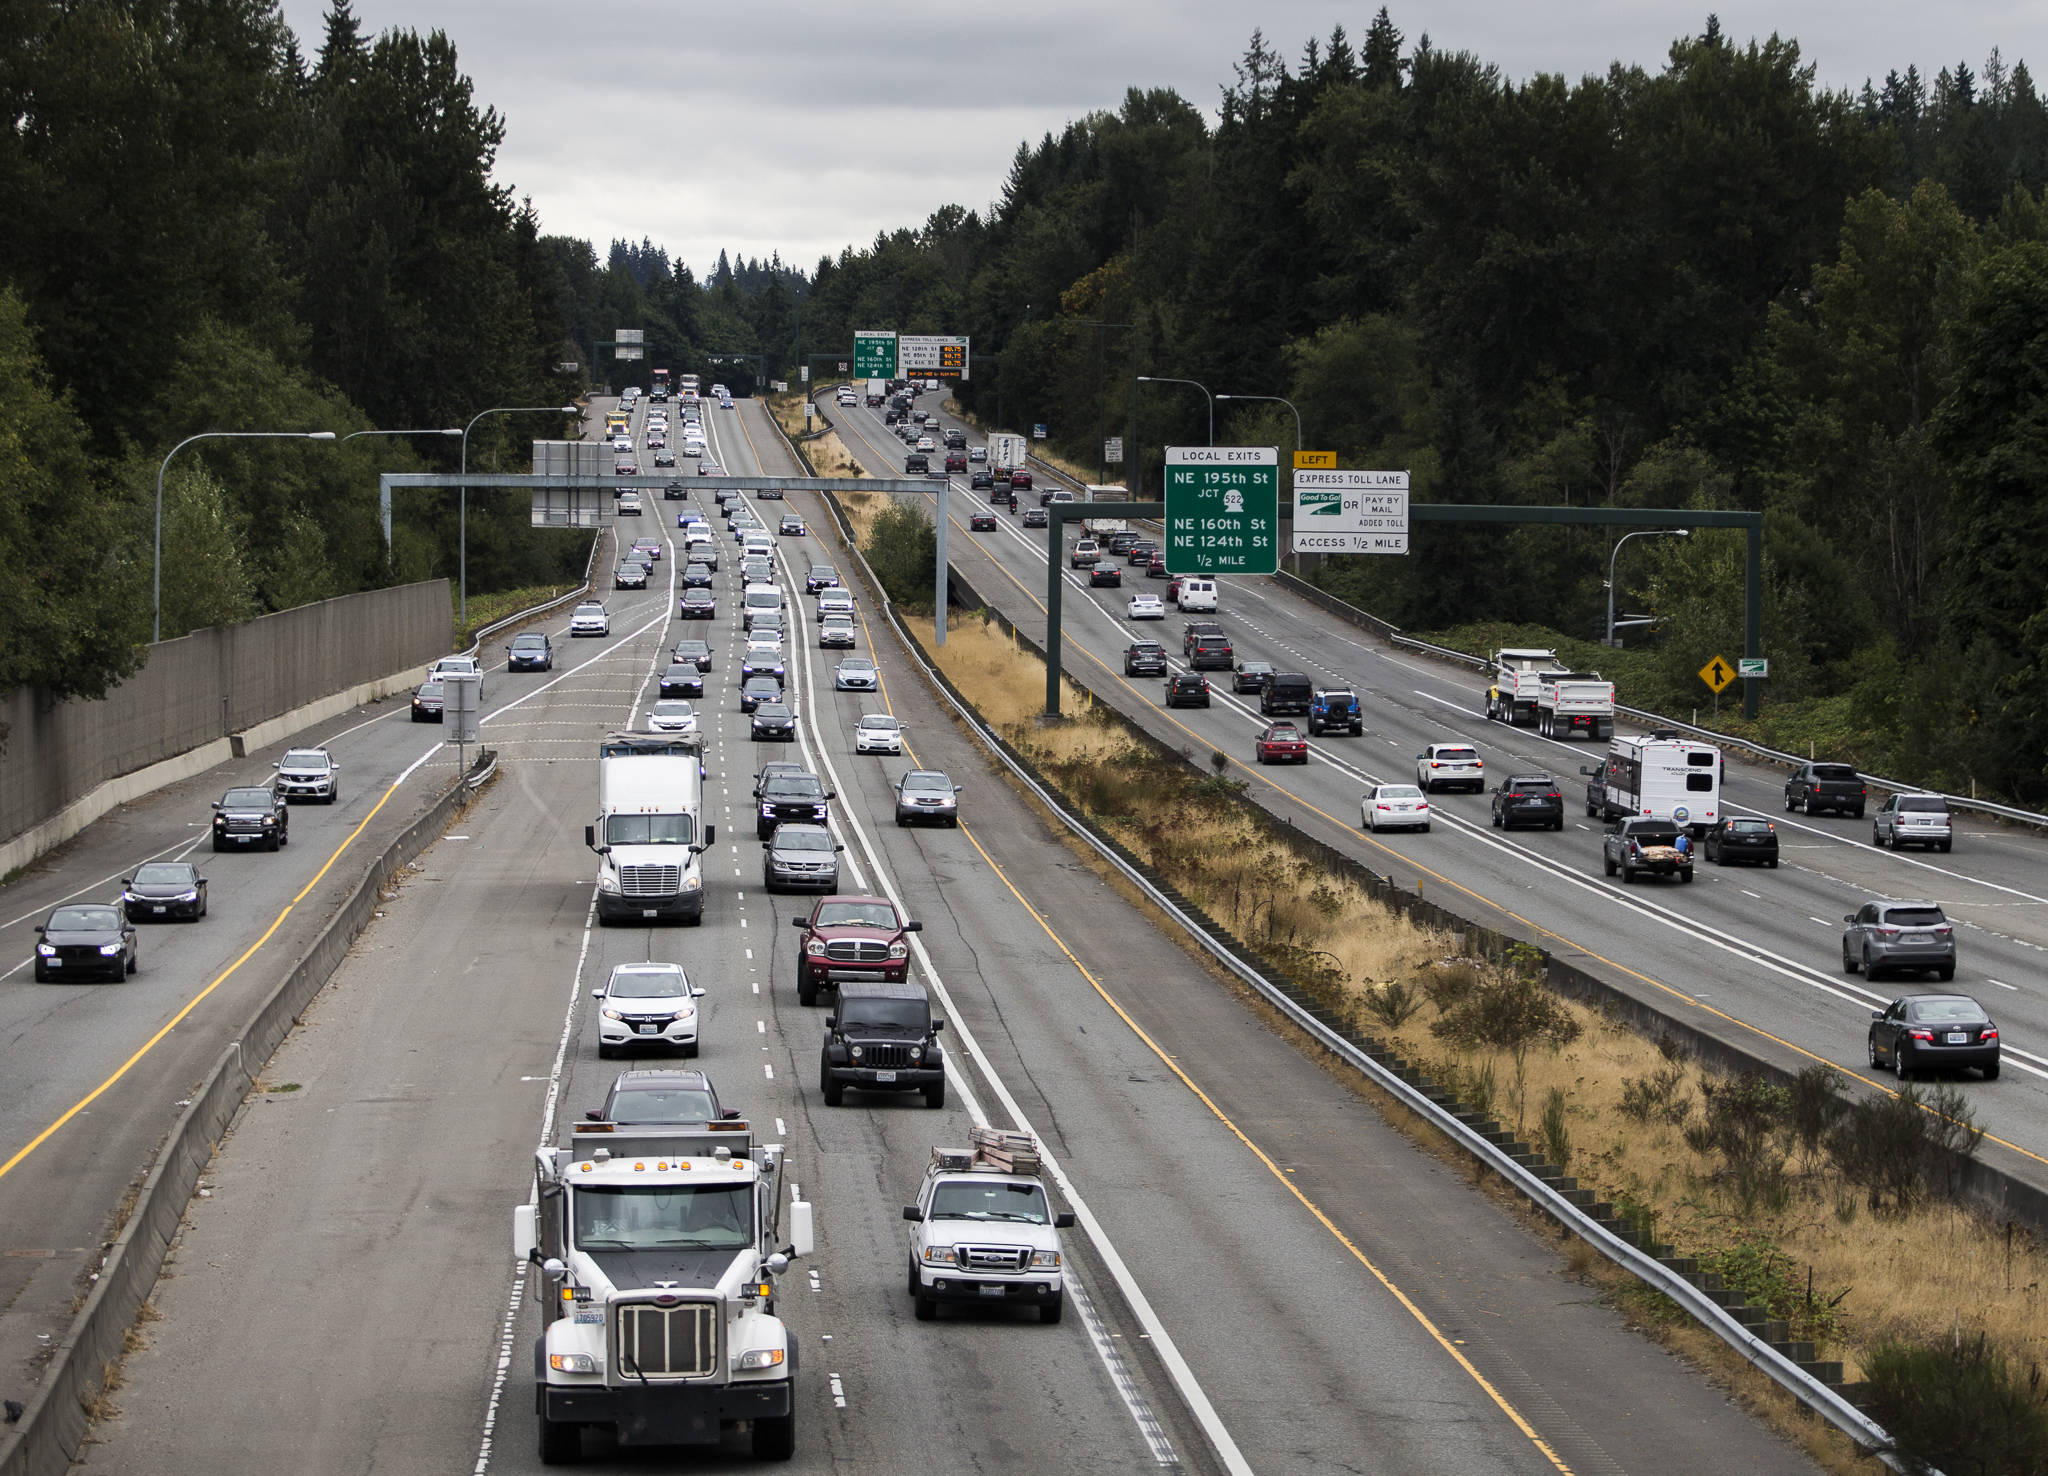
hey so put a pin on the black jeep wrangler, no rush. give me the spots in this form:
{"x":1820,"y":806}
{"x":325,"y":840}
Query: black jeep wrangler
{"x":882,"y":1039}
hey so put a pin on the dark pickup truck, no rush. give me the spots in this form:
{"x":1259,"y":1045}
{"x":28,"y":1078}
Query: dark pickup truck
{"x":1817,"y":787}
{"x":1644,"y":848}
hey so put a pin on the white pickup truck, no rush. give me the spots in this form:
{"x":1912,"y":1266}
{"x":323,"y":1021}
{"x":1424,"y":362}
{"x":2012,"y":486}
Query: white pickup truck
{"x":983,"y":1229}
{"x":1573,"y":704}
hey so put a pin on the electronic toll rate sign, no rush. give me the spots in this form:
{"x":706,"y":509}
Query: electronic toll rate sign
{"x":1222,"y":509}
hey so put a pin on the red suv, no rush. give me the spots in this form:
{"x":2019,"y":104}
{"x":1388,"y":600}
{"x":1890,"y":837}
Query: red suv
{"x":851,"y":938}
{"x":1021,"y":481}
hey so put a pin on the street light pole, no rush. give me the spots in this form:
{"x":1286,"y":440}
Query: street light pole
{"x":1154,"y":379}
{"x":156,"y":576}
{"x":462,"y":558}
{"x":415,"y":431}
{"x":1645,"y":533}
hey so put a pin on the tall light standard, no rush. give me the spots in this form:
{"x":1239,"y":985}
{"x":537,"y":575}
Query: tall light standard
{"x":414,"y":432}
{"x":462,"y":566}
{"x":156,"y":576}
{"x":1645,"y":533}
{"x":1153,"y":379}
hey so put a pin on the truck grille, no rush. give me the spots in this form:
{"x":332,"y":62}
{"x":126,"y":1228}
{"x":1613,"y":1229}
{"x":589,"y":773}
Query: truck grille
{"x":650,"y":881}
{"x":991,"y":1257}
{"x":886,"y":1056}
{"x":678,"y":1342}
{"x":857,"y":950}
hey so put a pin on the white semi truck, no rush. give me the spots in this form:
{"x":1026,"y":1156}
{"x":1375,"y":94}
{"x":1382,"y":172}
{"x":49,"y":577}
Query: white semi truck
{"x":656,"y":1252}
{"x":649,"y":830}
{"x":1659,"y":777}
{"x":983,"y":1229}
{"x":1572,"y":704}
{"x":1513,"y":678}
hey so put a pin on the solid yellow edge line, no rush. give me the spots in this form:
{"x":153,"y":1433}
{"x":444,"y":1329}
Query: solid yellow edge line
{"x":193,"y":1003}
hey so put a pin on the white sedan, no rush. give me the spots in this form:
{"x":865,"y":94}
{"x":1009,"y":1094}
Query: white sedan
{"x":672,"y":715}
{"x":1394,"y":807}
{"x":877,"y":732}
{"x":1147,"y":607}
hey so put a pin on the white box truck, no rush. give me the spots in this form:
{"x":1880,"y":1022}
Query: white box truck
{"x":1103,"y":527}
{"x":1659,"y":777}
{"x":877,"y":392}
{"x":649,"y":830}
{"x":656,"y":1252}
{"x":1006,"y":452}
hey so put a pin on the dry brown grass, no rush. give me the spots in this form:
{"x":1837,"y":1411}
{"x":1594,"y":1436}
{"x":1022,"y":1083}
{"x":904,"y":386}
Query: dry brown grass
{"x":827,"y":453}
{"x":1925,"y":1274}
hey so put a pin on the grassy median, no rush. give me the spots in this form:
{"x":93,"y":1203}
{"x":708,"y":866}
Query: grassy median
{"x":1835,"y":1216}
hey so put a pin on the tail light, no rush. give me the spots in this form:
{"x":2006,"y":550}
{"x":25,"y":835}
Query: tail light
{"x":1888,"y":929}
{"x":1989,"y":1033}
{"x":1553,"y":795}
{"x":1926,"y":1035}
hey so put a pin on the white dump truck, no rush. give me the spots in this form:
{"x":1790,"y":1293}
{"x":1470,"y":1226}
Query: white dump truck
{"x":1574,"y":704}
{"x":655,"y":1249}
{"x":1512,"y":681}
{"x":984,"y":1231}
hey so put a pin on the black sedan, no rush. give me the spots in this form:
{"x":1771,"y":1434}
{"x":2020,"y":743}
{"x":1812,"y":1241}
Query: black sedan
{"x":1934,"y":1032}
{"x":774,"y":722}
{"x":164,"y":890}
{"x":89,"y":939}
{"x":682,"y":679}
{"x":1108,"y":575}
{"x":697,"y":604}
{"x":692,"y":653}
{"x":982,"y":523}
{"x":1035,"y":517}
{"x":698,"y":576}
{"x":1743,"y":838}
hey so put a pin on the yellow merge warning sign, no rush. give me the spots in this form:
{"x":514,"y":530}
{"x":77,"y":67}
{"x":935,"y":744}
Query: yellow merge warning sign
{"x":1717,"y":674}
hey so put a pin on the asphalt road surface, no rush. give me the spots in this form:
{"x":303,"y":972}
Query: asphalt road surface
{"x":1268,"y":1277}
{"x":1750,"y":952}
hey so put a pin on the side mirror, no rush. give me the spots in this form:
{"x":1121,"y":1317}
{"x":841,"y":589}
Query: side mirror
{"x":39,"y":930}
{"x":838,"y":848}
{"x":589,"y":834}
{"x":593,"y":1114}
{"x":696,"y":991}
{"x":802,"y":1232}
{"x":1064,"y":1220}
{"x":731,"y":1114}
{"x":1589,"y":773}
{"x":525,"y":1231}
{"x":216,"y":804}
{"x":1877,"y":1014}
{"x":554,"y":1268}
{"x":127,"y":881}
{"x":1848,"y":917}
{"x":597,"y":993}
{"x":711,"y":835}
{"x":937,"y":1026}
{"x":913,"y":1213}
{"x":799,"y":922}
{"x":776,"y":1264}
{"x":831,"y":794}
{"x":831,"y":1022}
{"x":913,"y":927}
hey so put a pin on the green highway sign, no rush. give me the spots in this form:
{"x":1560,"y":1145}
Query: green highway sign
{"x":1222,"y":509}
{"x":874,"y":354}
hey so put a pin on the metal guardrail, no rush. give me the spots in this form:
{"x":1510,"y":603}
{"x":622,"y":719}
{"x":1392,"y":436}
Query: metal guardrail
{"x":1647,"y":718}
{"x":589,"y":565}
{"x":1812,"y":1392}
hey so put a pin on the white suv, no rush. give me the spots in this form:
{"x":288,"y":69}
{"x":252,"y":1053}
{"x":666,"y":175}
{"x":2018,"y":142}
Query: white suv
{"x":1450,"y":766}
{"x":591,"y":619}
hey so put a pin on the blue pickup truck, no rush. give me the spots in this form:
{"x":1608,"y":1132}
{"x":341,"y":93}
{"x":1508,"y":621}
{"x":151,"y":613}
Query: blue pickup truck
{"x":1335,"y":710}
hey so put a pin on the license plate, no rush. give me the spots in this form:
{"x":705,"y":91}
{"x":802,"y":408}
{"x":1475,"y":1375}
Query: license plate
{"x":159,"y":909}
{"x":991,"y":1291}
{"x":1916,"y":938}
{"x":881,"y":1076}
{"x":650,"y":912}
{"x":54,"y":963}
{"x":243,"y":840}
{"x":1958,"y":1037}
{"x":650,"y":1030}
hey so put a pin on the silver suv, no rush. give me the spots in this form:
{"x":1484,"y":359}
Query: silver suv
{"x":1899,"y":935}
{"x":1913,"y":820}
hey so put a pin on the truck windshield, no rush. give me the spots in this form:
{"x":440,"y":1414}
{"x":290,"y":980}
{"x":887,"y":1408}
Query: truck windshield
{"x":650,"y":830}
{"x":663,"y":1216}
{"x":1024,"y":1203}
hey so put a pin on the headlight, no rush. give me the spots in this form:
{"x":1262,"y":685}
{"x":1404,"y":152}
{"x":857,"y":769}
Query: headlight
{"x":607,"y":881}
{"x":855,"y":1053}
{"x":899,"y":950}
{"x":685,"y":1011}
{"x":110,"y":949}
{"x":761,"y":1358}
{"x":192,"y":896}
{"x":816,"y":947}
{"x":692,"y":883}
{"x":47,"y":950}
{"x":581,"y":1363}
{"x":917,"y":1053}
{"x":938,"y":1253}
{"x":270,"y":819}
{"x":220,"y":819}
{"x":613,"y":1015}
{"x":1044,"y":1259}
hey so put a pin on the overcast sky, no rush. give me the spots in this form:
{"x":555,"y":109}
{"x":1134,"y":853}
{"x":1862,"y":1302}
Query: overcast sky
{"x":803,"y":129}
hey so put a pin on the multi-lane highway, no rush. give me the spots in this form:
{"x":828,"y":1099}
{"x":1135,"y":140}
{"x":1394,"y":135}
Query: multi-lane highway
{"x":1267,"y":1276}
{"x":1756,"y":953}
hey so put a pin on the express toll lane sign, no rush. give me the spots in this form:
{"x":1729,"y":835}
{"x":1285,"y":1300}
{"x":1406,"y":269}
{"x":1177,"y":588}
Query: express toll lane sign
{"x":1222,"y":509}
{"x":1351,"y":512}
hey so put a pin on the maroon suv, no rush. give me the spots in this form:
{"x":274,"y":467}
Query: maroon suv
{"x":851,"y":938}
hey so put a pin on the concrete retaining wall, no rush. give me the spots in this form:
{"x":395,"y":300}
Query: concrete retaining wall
{"x":64,"y":764}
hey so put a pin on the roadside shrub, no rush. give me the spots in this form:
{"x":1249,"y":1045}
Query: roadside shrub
{"x":903,"y":550}
{"x":1510,"y":1015}
{"x":1816,"y":1106}
{"x":1393,"y":1004}
{"x":1656,"y":1097}
{"x":1448,"y":984}
{"x":1902,"y":1148}
{"x":1958,"y":1409}
{"x":1745,"y":1123}
{"x":1757,"y":1267}
{"x":1557,"y":1134}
